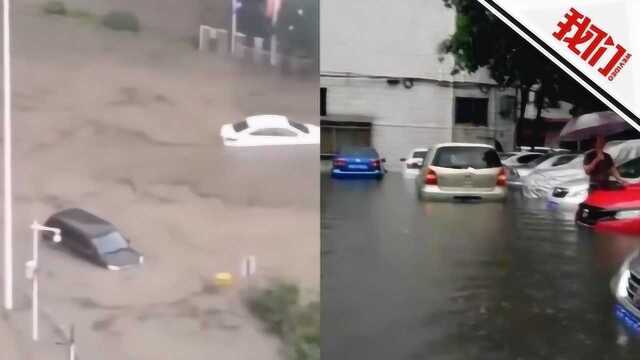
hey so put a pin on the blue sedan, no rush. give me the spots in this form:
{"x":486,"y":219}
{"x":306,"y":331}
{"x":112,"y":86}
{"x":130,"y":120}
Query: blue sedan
{"x":358,"y":162}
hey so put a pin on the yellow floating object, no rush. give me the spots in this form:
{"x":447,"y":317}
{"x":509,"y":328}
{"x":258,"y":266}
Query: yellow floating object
{"x":223,"y":279}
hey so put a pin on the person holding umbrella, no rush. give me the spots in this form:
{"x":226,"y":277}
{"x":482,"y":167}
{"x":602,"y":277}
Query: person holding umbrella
{"x":600,"y":166}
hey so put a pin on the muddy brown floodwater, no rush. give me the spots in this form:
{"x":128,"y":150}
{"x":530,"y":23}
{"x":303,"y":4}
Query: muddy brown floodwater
{"x":127,"y":126}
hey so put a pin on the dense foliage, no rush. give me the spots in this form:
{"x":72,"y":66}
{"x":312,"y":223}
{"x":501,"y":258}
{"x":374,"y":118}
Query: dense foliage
{"x":483,"y":40}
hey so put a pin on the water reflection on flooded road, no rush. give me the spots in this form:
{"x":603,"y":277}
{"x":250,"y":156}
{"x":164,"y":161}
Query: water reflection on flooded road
{"x":404,"y":279}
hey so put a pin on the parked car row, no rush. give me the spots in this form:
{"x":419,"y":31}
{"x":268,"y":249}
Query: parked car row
{"x":454,"y":171}
{"x":466,"y":171}
{"x":614,"y":208}
{"x":564,"y":184}
{"x":450,"y":171}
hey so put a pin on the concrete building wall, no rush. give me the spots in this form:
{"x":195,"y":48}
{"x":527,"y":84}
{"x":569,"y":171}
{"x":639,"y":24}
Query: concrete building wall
{"x":388,"y":38}
{"x":375,"y":36}
{"x":421,"y":116}
{"x":401,"y":118}
{"x":499,"y":126}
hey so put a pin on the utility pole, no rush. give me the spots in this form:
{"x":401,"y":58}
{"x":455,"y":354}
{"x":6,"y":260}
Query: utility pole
{"x":8,"y":192}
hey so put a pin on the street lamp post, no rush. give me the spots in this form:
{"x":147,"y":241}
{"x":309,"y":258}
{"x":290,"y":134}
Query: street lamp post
{"x":32,"y":270}
{"x":8,"y":197}
{"x":234,"y":25}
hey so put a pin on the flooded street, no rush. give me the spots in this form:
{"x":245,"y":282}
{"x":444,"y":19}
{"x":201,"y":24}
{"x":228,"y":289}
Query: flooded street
{"x":404,"y":279}
{"x":127,"y":126}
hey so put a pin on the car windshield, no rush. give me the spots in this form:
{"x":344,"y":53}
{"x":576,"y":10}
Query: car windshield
{"x":110,"y":242}
{"x":240,"y":126}
{"x":526,"y":159}
{"x":274,"y":132}
{"x":505,"y":156}
{"x":537,"y":161}
{"x":299,"y":126}
{"x":361,"y":152}
{"x":562,"y":160}
{"x":462,"y":157}
{"x":419,"y":154}
{"x":630,"y":169}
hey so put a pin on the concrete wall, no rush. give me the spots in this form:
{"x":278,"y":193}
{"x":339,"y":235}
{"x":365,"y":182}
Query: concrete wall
{"x":402,"y":118}
{"x":383,"y":38}
{"x":408,"y":118}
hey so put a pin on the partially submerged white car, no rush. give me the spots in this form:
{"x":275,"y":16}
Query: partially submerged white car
{"x":521,"y":159}
{"x":413,"y":162}
{"x":540,"y":183}
{"x":569,"y":194}
{"x":267,"y":130}
{"x":516,"y":174}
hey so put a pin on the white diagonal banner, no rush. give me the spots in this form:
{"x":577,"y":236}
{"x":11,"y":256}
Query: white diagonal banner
{"x":596,"y":41}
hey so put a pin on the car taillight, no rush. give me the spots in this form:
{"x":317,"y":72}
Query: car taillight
{"x":431,"y":178}
{"x":375,"y":164}
{"x":502,"y":178}
{"x":339,"y":162}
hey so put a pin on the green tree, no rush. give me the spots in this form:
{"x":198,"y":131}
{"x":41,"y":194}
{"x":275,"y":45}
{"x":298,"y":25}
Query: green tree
{"x":298,"y":26}
{"x":483,"y":40}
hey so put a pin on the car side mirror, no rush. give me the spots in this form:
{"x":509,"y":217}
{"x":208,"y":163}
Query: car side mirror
{"x":403,"y":159}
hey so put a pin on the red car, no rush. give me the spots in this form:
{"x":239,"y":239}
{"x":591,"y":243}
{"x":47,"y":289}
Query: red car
{"x":612,"y":210}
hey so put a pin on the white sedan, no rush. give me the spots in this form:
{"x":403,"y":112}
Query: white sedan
{"x":541,"y":182}
{"x":568,"y":195}
{"x":521,"y":159}
{"x":267,"y":130}
{"x":413,"y":162}
{"x":516,"y":174}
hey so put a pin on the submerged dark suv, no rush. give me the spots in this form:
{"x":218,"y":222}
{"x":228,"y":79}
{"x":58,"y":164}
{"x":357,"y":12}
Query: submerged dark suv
{"x":93,"y":238}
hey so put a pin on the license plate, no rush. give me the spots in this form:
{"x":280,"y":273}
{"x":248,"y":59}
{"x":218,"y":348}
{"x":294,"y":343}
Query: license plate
{"x":358,"y":167}
{"x":468,"y":180}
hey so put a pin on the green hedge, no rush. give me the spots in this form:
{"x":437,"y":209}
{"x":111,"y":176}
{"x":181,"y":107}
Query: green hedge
{"x":297,"y":325}
{"x":54,"y":7}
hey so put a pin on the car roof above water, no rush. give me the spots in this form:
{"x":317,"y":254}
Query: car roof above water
{"x":267,"y":120}
{"x":82,"y":221}
{"x":453,"y":144}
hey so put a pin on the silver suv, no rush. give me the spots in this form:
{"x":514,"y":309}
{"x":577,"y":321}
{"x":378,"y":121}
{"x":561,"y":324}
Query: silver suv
{"x":462,"y":171}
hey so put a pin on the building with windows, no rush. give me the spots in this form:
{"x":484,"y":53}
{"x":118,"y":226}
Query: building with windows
{"x":384,"y":83}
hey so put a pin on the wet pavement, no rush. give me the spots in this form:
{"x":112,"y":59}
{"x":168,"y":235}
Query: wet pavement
{"x":404,"y":279}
